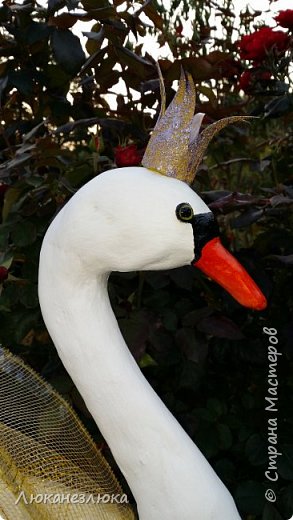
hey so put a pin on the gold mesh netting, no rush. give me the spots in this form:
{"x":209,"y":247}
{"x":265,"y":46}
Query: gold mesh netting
{"x":48,"y":462}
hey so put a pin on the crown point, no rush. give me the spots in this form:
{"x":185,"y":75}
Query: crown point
{"x":176,"y":147}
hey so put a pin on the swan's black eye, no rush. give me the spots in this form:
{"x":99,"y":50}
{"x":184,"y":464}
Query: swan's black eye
{"x":184,"y":212}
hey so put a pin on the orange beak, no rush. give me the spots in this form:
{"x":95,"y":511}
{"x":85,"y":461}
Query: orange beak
{"x":217,"y":263}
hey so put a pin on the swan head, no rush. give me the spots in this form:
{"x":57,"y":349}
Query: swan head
{"x":133,"y":218}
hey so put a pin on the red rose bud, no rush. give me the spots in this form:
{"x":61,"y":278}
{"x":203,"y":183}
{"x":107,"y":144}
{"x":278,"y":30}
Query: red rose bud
{"x":256,"y":46}
{"x":179,"y":29}
{"x":285,"y":19}
{"x":249,"y":78}
{"x":3,"y":274}
{"x":97,"y":142}
{"x":128,"y":155}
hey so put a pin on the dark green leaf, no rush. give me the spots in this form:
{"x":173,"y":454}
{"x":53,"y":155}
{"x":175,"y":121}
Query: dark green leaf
{"x":170,"y":319}
{"x":225,"y":436}
{"x":33,"y":131}
{"x":285,"y":462}
{"x":278,"y":106}
{"x":153,"y":15}
{"x":92,"y":35}
{"x":22,"y":80}
{"x":55,"y":4}
{"x":247,"y":218}
{"x":156,"y":279}
{"x":147,"y":361}
{"x":136,"y":330}
{"x":4,"y":13}
{"x":190,"y":376}
{"x":194,"y":347}
{"x":256,"y":450}
{"x":284,"y":259}
{"x":29,"y":296}
{"x":182,"y":278}
{"x":216,"y":407}
{"x":37,"y":32}
{"x":67,"y":50}
{"x":250,"y":497}
{"x":215,"y":195}
{"x":135,"y":62}
{"x":69,"y":127}
{"x":270,"y":513}
{"x":208,"y":440}
{"x":221,"y":327}
{"x":193,"y":317}
{"x":226,"y":470}
{"x":103,"y":13}
{"x":3,"y":84}
{"x":4,"y":234}
{"x":286,"y":498}
{"x":24,"y":233}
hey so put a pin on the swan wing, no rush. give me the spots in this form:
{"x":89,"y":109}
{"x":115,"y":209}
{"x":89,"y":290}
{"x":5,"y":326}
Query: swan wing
{"x":50,"y":467}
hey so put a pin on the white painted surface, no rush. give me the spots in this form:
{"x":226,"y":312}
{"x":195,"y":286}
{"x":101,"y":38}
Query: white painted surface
{"x":125,"y":220}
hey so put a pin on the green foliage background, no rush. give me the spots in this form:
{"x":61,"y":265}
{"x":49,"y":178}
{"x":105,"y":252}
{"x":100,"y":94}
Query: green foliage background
{"x":204,"y":354}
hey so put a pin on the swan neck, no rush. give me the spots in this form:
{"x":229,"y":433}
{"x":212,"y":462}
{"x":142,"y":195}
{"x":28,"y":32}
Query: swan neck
{"x":162,"y":465}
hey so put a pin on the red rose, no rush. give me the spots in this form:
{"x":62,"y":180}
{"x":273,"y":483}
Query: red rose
{"x":128,"y":155}
{"x":256,"y":46}
{"x":3,"y":274}
{"x":249,"y":78}
{"x":245,"y":81}
{"x":285,"y":19}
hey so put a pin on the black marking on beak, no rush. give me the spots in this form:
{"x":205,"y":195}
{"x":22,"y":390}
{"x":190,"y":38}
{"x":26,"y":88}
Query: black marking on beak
{"x":205,"y":227}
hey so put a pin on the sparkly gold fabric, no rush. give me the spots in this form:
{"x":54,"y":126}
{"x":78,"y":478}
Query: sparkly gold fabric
{"x":175,"y":148}
{"x":45,"y":450}
{"x":198,"y":149}
{"x":168,"y":145}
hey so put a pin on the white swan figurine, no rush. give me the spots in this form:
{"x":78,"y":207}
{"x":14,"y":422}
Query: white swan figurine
{"x":139,"y":218}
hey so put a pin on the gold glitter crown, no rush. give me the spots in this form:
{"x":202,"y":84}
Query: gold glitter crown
{"x":176,"y":148}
